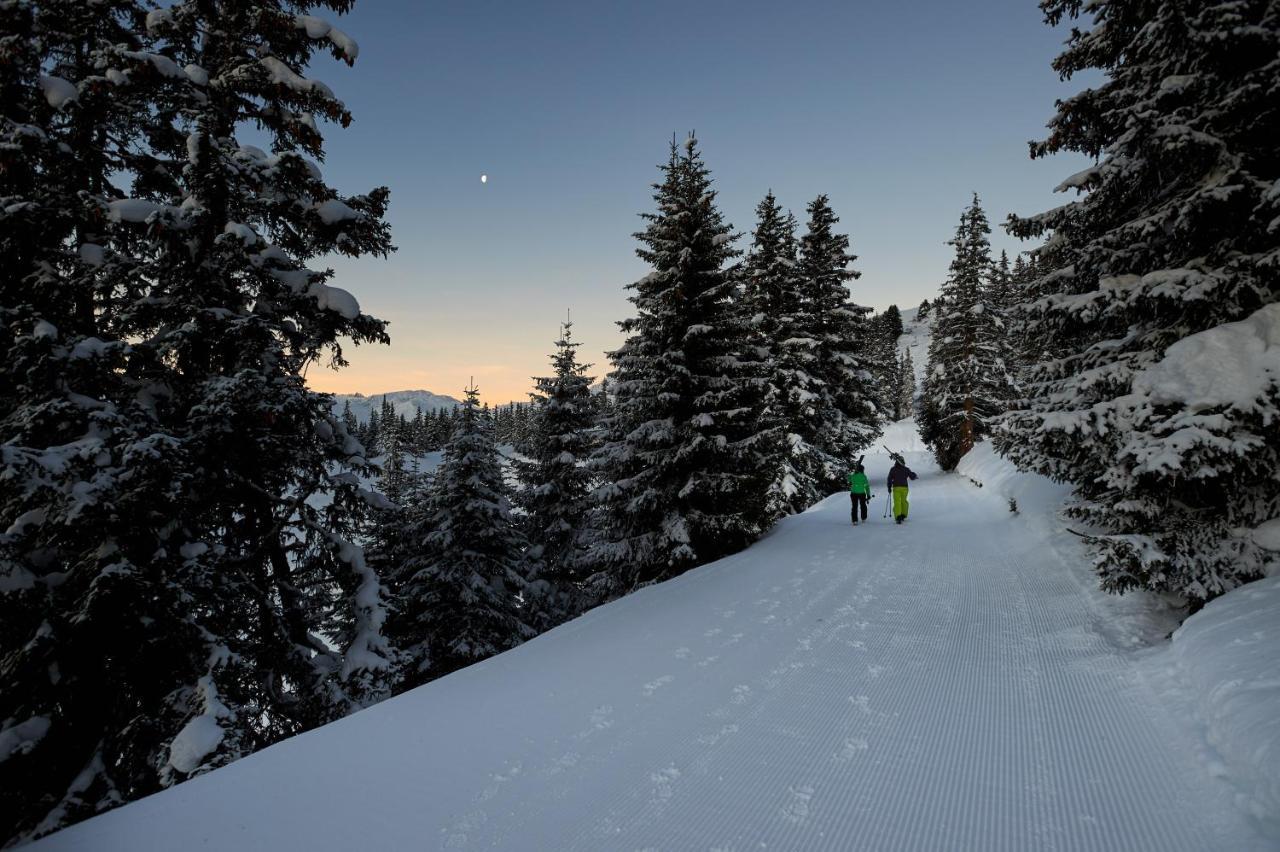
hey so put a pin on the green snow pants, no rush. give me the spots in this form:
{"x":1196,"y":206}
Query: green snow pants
{"x":899,"y":501}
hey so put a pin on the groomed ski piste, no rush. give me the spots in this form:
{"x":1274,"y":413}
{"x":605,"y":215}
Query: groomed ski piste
{"x":952,"y":683}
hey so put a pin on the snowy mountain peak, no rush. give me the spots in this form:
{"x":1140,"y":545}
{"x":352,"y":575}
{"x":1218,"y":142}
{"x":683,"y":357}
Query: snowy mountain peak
{"x":405,"y":402}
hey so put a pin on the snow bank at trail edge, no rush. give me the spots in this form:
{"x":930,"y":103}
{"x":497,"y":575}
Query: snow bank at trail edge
{"x":1229,"y":655}
{"x":1036,"y":496}
{"x":1132,"y":621}
{"x":1224,"y":660}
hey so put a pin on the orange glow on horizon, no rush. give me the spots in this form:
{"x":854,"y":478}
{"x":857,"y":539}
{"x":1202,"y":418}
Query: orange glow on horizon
{"x":502,"y":367}
{"x":497,"y":387}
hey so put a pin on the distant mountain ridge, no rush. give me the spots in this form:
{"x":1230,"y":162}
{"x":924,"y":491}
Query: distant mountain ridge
{"x":406,"y":402}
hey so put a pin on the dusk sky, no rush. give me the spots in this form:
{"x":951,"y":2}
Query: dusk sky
{"x":898,"y":111}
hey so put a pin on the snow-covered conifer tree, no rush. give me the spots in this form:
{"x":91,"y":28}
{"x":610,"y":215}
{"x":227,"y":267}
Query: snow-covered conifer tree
{"x":892,"y":318}
{"x":554,"y":478}
{"x":460,"y":595}
{"x":966,"y":381}
{"x":394,"y":477}
{"x":881,"y":351}
{"x":680,"y":480}
{"x":844,"y":358}
{"x":905,"y":404}
{"x":1158,"y":294}
{"x":1003,"y":298}
{"x":371,"y":435}
{"x":349,"y":421}
{"x":773,"y":296}
{"x":204,"y":607}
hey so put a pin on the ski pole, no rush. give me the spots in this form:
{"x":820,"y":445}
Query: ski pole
{"x":886,"y":505}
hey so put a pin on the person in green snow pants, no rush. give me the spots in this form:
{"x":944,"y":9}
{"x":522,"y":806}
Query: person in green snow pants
{"x":899,"y":475}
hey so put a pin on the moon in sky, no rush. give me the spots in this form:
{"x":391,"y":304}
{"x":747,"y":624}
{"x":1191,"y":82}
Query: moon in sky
{"x":484,"y":178}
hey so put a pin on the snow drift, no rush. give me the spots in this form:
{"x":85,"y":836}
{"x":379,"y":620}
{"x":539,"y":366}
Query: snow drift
{"x":1229,"y":655}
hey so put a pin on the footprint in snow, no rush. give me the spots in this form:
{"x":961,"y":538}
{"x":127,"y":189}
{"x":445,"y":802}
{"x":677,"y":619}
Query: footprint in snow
{"x":654,"y":685}
{"x":682,"y":653}
{"x":600,"y":719}
{"x":740,"y":693}
{"x":714,"y":631}
{"x":497,"y":779}
{"x":662,"y":782}
{"x":706,"y":661}
{"x":713,"y":738}
{"x":851,"y":748}
{"x":797,"y":808}
{"x":862,"y":702}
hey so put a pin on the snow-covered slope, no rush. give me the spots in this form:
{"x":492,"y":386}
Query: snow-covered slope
{"x":916,"y":335}
{"x":936,"y":685}
{"x":405,"y":402}
{"x":1229,"y":656}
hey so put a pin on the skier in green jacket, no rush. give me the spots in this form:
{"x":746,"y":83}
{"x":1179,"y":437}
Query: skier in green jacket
{"x":859,"y":491}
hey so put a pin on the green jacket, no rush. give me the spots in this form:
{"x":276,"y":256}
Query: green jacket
{"x":858,"y":484}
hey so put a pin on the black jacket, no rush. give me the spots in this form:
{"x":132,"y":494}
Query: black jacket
{"x":899,"y":474}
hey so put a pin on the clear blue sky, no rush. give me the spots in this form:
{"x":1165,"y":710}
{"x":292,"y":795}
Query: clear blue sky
{"x":898,"y":111}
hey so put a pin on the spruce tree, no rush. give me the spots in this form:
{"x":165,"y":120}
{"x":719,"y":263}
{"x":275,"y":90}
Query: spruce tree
{"x":1002,"y":299}
{"x":892,"y":319}
{"x":773,"y":296}
{"x":905,"y":403}
{"x":461,"y":593}
{"x":394,"y":476}
{"x":966,"y":380}
{"x":159,"y":317}
{"x":554,"y":478}
{"x":922,"y":313}
{"x":418,"y":432}
{"x":881,"y":345}
{"x":681,"y":484}
{"x":1154,"y":288}
{"x":845,"y":360}
{"x":372,"y":438}
{"x":348,"y":418}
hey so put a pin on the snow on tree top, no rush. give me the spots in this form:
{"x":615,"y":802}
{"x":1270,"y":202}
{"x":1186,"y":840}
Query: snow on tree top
{"x":196,"y":74}
{"x":283,"y":75}
{"x":320,"y":28}
{"x":334,"y":299}
{"x":243,"y":232}
{"x":22,"y":737}
{"x":1267,"y":535}
{"x":334,"y":211}
{"x":131,"y":209}
{"x":1232,"y":364}
{"x":1080,"y":179}
{"x":202,"y":735}
{"x":57,"y":91}
{"x":163,"y":64}
{"x":157,"y":18}
{"x":91,"y":254}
